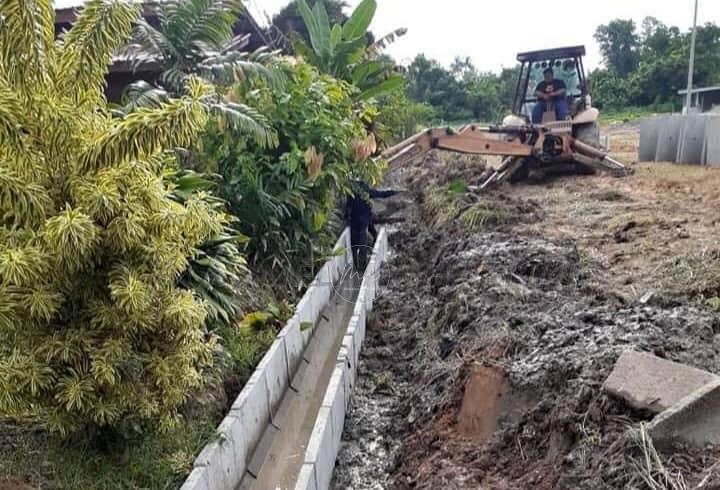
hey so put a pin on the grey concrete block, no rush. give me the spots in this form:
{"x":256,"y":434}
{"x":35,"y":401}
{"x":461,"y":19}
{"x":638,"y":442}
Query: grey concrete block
{"x":651,"y":383}
{"x":692,"y":140}
{"x":306,"y":479}
{"x":349,"y":372}
{"x":319,"y":450}
{"x":252,"y":410}
{"x":649,"y":132}
{"x":694,"y":420}
{"x":261,"y":452}
{"x":197,"y":480}
{"x":335,"y":401}
{"x":669,"y":139}
{"x":712,"y":141}
{"x":307,"y":316}
{"x":275,"y":365}
{"x":355,"y":330}
{"x":294,"y":344}
{"x":215,"y":459}
{"x":233,"y":441}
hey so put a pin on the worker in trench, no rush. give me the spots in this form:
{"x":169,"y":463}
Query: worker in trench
{"x":550,"y":91}
{"x":359,"y":216}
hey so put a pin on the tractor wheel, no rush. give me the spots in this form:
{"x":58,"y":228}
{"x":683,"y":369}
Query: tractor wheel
{"x":588,"y":133}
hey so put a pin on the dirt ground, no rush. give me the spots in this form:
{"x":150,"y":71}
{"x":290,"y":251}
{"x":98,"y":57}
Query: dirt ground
{"x":502,"y":314}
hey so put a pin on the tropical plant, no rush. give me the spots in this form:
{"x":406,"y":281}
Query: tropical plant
{"x":343,"y":50}
{"x":284,"y":197}
{"x":195,"y":40}
{"x":94,"y":330}
{"x":217,"y":267}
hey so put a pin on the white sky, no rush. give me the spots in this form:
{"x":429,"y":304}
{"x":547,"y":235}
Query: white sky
{"x":491,"y":33}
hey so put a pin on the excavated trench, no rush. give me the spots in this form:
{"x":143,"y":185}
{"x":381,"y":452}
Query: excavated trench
{"x":484,"y":360}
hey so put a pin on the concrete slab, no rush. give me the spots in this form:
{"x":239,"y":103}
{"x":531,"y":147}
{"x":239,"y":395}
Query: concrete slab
{"x":252,"y":410}
{"x":335,"y":401}
{"x":669,"y":139}
{"x":649,"y":132}
{"x":294,"y":344}
{"x":694,"y":420}
{"x":214,"y":460}
{"x":692,"y":140}
{"x":651,"y":383}
{"x":319,"y":448}
{"x":712,"y":141}
{"x":275,"y":365}
{"x":197,"y":480}
{"x":306,"y":479}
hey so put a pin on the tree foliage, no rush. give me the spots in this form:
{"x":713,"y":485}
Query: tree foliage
{"x":195,"y":40}
{"x":290,"y":23}
{"x":343,"y":50}
{"x":284,"y":197}
{"x":94,"y":330}
{"x":461,"y":92}
{"x":649,"y":66}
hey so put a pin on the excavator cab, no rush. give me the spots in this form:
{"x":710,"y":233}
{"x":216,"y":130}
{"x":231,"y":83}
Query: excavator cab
{"x":567,"y":65}
{"x":569,"y":146}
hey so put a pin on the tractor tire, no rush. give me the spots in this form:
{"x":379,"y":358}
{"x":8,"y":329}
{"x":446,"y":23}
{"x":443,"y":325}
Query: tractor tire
{"x":588,"y":133}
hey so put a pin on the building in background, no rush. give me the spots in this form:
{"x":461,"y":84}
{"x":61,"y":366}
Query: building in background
{"x":121,"y":75}
{"x":706,"y":99}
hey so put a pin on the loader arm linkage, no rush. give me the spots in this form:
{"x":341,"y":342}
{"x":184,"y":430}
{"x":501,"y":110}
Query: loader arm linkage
{"x":550,"y":145}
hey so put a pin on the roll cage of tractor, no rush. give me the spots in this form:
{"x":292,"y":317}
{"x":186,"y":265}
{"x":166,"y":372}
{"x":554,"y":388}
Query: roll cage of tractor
{"x":567,"y":64}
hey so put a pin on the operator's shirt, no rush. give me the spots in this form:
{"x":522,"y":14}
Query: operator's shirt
{"x":551,"y":87}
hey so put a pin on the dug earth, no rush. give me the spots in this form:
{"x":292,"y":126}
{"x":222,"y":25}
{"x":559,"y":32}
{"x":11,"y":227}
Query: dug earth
{"x":502,"y":314}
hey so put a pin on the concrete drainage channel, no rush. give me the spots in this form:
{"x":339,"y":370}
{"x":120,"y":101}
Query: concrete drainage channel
{"x":285,"y":427}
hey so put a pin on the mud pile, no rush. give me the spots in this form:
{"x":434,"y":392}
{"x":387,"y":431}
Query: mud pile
{"x":483,"y":367}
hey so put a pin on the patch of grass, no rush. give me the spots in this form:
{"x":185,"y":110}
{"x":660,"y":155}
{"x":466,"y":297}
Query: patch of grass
{"x":152,"y":460}
{"x":247,"y":346}
{"x":631,"y":114}
{"x":696,"y":276}
{"x":475,"y":211}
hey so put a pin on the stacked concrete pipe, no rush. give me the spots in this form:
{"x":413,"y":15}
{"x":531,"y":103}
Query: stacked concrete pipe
{"x":691,"y":139}
{"x":223,"y":462}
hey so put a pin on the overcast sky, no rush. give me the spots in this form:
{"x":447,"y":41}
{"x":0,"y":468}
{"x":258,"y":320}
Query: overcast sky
{"x":491,"y":33}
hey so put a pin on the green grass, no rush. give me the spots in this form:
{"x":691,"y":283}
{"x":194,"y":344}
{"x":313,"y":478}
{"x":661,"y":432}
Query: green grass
{"x":153,"y":461}
{"x":631,"y":114}
{"x":148,"y":461}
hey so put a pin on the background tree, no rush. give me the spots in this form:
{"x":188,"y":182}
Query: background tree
{"x":619,"y":45}
{"x":343,"y":50}
{"x":289,"y":21}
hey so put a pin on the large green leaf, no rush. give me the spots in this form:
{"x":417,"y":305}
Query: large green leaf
{"x":360,"y":20}
{"x":312,"y":25}
{"x":335,"y":37}
{"x":323,"y":24}
{"x":393,"y":83}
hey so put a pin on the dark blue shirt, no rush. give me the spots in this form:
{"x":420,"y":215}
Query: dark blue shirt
{"x":358,"y":208}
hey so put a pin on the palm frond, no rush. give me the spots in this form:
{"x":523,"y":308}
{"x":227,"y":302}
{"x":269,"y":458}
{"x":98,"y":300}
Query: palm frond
{"x":146,"y":131}
{"x":12,"y":117}
{"x":26,"y":36}
{"x":386,"y":40}
{"x":142,"y":94}
{"x":233,"y":66}
{"x":246,"y":119}
{"x":149,"y":46}
{"x":88,"y":47}
{"x":206,"y":20}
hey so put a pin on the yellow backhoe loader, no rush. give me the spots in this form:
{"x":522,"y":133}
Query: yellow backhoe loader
{"x":568,"y":146}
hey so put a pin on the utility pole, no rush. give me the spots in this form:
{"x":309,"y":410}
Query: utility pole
{"x":691,"y":68}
